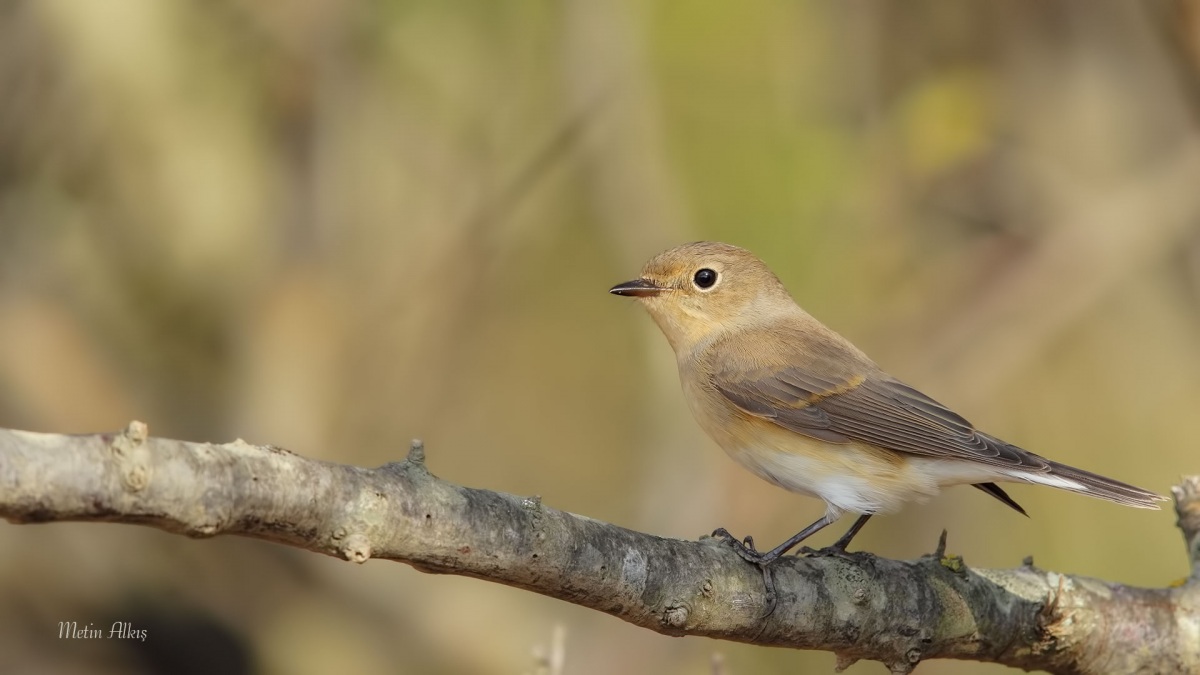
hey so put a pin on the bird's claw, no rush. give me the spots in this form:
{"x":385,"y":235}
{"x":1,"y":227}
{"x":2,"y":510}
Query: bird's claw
{"x":834,"y":551}
{"x":744,"y":547}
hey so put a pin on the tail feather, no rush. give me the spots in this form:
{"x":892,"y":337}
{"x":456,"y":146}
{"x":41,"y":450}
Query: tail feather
{"x":995,"y":491}
{"x":1095,"y":485}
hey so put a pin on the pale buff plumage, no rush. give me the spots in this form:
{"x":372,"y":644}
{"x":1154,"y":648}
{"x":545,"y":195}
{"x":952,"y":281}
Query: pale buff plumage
{"x":801,"y":407}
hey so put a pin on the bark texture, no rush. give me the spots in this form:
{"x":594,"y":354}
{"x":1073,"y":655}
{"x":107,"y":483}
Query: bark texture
{"x":858,"y":606}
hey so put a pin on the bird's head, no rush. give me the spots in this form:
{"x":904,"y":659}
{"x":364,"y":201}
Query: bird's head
{"x":699,"y":290}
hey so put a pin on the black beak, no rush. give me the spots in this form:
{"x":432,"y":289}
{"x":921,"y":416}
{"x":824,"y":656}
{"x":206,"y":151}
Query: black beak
{"x":638,"y":288}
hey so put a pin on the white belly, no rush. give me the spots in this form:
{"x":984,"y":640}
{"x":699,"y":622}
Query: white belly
{"x":861,"y":485}
{"x":857,"y":479}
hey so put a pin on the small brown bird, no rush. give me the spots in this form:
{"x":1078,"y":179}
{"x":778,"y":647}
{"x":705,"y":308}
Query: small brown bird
{"x":801,"y":407}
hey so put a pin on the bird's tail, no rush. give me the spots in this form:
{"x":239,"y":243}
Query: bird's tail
{"x":1095,"y":485}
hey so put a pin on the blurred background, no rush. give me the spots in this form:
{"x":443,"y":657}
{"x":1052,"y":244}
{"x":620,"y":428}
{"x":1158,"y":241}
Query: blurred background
{"x":335,"y":226}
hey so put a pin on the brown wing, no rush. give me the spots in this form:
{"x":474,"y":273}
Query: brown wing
{"x":870,"y":408}
{"x":808,"y":379}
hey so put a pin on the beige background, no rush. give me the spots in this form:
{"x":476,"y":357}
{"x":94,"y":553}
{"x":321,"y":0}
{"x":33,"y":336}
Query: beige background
{"x":335,"y":226}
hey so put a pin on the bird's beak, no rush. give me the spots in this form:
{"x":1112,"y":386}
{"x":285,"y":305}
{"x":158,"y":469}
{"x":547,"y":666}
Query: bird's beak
{"x":638,"y":288}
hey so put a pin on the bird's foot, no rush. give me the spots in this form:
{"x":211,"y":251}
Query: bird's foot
{"x":833,"y":551}
{"x":746,"y":550}
{"x":838,"y":548}
{"x":743,"y":547}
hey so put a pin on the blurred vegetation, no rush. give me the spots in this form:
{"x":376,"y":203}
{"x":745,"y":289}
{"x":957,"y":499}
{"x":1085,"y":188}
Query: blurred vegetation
{"x":334,"y":226}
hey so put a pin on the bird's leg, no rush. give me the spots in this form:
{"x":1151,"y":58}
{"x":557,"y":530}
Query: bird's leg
{"x":770,"y":556}
{"x":746,"y":550}
{"x":839,"y":547}
{"x":844,"y":541}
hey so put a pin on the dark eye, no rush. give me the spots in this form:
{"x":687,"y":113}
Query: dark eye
{"x":705,"y":278}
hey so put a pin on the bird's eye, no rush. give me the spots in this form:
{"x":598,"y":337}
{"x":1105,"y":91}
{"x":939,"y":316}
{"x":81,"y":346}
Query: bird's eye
{"x":704,"y":278}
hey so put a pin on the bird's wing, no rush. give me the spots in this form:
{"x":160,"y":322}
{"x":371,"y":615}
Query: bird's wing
{"x":830,"y":400}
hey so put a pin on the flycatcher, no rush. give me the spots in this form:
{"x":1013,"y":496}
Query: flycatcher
{"x":801,"y":407}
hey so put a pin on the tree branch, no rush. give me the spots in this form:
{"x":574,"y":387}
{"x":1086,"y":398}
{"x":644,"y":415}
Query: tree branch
{"x":859,"y":606}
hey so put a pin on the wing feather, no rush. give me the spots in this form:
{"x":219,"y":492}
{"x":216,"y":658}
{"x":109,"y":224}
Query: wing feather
{"x":870,"y":408}
{"x":805,"y":378}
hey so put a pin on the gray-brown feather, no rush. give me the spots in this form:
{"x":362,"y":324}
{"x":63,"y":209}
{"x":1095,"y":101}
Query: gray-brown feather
{"x":825,"y":389}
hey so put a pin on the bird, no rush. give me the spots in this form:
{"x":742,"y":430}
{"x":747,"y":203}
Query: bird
{"x":801,"y":407}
